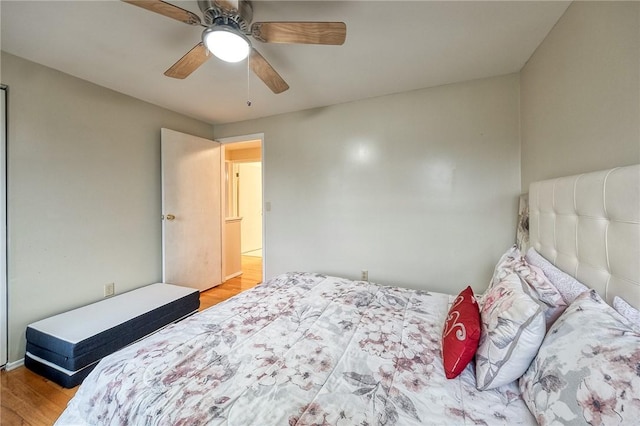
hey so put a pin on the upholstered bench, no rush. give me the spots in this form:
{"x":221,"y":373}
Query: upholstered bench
{"x":66,"y":347}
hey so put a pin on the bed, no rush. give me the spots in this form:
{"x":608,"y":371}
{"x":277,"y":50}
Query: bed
{"x":310,"y":349}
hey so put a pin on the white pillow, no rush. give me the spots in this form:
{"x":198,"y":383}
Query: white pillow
{"x":586,"y":371}
{"x":626,"y":310}
{"x":513,"y":326}
{"x":569,"y":287}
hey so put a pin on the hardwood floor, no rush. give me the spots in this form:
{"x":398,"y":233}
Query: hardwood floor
{"x":29,"y":399}
{"x":251,"y":276}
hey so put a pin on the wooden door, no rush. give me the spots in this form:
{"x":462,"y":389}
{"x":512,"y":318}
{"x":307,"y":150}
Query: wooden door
{"x":191,"y":208}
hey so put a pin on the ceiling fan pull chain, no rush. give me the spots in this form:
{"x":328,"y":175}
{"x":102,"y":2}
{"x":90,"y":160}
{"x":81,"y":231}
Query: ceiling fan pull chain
{"x":248,"y":81}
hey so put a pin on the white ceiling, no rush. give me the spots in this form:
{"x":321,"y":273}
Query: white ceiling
{"x":391,"y":46}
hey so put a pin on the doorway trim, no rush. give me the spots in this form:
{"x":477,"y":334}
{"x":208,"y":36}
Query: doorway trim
{"x":247,"y":138}
{"x":4,"y":305}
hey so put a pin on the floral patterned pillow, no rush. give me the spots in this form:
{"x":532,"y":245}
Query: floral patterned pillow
{"x":513,"y":326}
{"x":569,"y":287}
{"x":588,"y":368}
{"x":626,"y":310}
{"x":505,"y":265}
{"x":538,"y":285}
{"x":539,"y":288}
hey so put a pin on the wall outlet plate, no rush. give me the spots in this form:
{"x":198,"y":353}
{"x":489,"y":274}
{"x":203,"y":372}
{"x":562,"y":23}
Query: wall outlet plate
{"x":365,"y":275}
{"x":109,"y":289}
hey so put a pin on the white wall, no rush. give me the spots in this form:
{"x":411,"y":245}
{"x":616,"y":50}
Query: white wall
{"x":250,"y":205}
{"x":84,"y":192}
{"x":580,"y":93}
{"x":419,"y":188}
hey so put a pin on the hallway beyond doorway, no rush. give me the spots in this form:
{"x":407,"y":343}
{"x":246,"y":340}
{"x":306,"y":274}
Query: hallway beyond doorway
{"x":251,"y":276}
{"x":253,"y":253}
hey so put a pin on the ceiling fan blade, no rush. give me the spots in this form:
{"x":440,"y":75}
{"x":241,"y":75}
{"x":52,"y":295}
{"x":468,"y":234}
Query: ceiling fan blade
{"x":167,"y":10}
{"x":333,"y":33}
{"x":266,"y":73}
{"x":189,"y":62}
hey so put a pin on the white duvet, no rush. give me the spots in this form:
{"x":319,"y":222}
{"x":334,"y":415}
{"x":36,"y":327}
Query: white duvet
{"x":301,"y":349}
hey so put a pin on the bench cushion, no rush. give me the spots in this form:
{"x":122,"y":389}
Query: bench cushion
{"x":76,"y":339}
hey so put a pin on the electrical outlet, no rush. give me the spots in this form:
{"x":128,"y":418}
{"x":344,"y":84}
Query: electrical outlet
{"x":109,"y":289}
{"x":365,"y":275}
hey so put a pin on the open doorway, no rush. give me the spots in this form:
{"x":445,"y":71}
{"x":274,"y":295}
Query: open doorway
{"x":243,"y":234}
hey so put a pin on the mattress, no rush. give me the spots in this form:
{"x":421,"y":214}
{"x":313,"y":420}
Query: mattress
{"x":67,"y":346}
{"x":299,"y":349}
{"x":62,"y":376}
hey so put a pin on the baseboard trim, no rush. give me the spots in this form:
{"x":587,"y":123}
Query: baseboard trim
{"x":15,"y":364}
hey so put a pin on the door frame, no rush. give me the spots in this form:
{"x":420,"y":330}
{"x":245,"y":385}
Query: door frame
{"x":4,"y":299}
{"x":247,"y":138}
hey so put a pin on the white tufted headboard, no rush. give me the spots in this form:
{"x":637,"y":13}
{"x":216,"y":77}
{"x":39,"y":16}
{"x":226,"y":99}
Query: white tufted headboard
{"x":589,"y":226}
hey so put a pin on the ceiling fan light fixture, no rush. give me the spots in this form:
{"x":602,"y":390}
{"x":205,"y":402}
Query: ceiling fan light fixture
{"x":226,"y":43}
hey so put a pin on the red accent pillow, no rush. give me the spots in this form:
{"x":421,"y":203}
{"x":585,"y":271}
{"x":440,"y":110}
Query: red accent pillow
{"x":461,"y":333}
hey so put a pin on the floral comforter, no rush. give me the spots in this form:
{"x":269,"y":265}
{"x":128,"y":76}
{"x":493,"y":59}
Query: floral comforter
{"x":301,"y":349}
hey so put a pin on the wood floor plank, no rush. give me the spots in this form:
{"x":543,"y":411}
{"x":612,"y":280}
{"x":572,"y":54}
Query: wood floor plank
{"x":251,"y":276}
{"x":27,"y":399}
{"x":46,"y":388}
{"x":21,"y":400}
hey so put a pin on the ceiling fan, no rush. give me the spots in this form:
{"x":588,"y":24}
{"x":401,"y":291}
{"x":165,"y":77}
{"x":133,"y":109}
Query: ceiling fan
{"x":227,"y":29}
